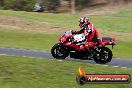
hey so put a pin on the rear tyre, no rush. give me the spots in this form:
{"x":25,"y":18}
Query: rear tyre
{"x":103,"y":56}
{"x":59,"y":51}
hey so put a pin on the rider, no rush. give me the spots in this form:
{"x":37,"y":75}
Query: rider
{"x":89,"y":31}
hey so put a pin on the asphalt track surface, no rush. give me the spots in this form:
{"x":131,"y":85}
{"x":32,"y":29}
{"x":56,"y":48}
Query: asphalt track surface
{"x":116,"y":62}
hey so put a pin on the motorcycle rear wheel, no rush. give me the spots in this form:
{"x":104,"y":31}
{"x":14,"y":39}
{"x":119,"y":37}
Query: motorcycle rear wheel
{"x":104,"y":56}
{"x":58,"y":51}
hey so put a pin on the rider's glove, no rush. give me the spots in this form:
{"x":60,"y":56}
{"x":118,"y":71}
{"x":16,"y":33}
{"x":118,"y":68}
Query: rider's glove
{"x":73,"y":32}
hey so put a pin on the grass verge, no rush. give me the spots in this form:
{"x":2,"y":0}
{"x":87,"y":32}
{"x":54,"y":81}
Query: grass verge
{"x":28,"y":40}
{"x":23,"y":72}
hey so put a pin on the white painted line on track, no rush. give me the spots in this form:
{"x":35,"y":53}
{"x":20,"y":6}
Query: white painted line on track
{"x":118,"y":58}
{"x":123,"y":67}
{"x":105,"y":65}
{"x":60,"y":60}
{"x":97,"y":64}
{"x":115,"y":66}
{"x":111,"y":66}
{"x":4,"y":55}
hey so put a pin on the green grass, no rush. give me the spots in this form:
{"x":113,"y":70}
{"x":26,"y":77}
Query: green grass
{"x":122,"y":50}
{"x":62,"y":20}
{"x":22,"y":72}
{"x":125,"y":12}
{"x":27,"y":40}
{"x":112,"y":23}
{"x":71,"y":21}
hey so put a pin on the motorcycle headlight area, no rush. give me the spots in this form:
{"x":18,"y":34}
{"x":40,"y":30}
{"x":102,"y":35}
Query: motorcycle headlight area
{"x":63,"y":40}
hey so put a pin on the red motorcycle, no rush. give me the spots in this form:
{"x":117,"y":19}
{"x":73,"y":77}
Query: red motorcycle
{"x":67,"y":46}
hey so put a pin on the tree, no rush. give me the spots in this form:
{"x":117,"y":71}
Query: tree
{"x":78,"y":3}
{"x":26,"y":5}
{"x":83,"y":3}
{"x":51,"y":5}
{"x":1,"y":2}
{"x":73,"y":6}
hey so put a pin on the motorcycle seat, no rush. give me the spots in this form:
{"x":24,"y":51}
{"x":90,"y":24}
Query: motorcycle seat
{"x":100,"y":39}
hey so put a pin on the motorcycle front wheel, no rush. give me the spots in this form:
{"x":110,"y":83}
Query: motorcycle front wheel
{"x":59,"y":51}
{"x":103,"y":56}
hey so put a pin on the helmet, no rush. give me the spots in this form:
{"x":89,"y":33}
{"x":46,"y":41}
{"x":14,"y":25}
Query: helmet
{"x":82,"y":21}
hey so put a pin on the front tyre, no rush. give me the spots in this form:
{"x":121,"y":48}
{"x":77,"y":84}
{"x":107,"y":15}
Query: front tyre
{"x":103,"y":56}
{"x":59,"y":51}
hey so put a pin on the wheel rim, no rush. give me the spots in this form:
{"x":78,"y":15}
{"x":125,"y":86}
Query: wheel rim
{"x":59,"y":51}
{"x":104,"y":56}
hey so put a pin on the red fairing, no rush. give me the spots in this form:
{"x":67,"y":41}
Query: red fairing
{"x":113,"y":39}
{"x":68,"y":40}
{"x":107,"y":41}
{"x":62,"y":39}
{"x":75,"y":46}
